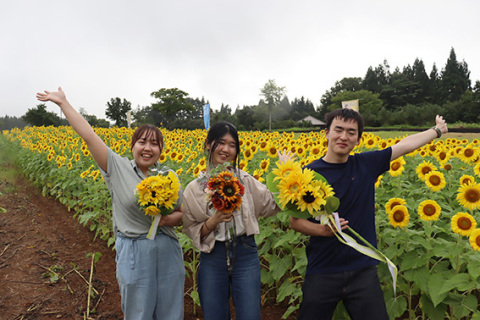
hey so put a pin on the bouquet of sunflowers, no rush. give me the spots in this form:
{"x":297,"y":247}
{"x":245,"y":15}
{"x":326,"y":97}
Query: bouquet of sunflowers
{"x":304,"y":193}
{"x":223,"y":189}
{"x":301,"y":193}
{"x":157,"y":195}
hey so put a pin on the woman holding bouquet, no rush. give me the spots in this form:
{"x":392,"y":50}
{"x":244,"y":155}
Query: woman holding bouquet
{"x":150,"y":273}
{"x":229,"y":263}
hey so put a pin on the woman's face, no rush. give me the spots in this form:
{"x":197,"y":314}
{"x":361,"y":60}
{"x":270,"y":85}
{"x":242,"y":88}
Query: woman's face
{"x":225,"y":151}
{"x":146,"y":151}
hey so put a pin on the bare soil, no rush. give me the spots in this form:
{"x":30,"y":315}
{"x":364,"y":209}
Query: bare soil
{"x":44,"y":269}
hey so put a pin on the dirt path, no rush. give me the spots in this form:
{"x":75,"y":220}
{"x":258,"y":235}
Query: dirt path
{"x":44,"y":268}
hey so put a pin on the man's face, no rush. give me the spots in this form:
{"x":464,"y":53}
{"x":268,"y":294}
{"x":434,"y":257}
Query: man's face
{"x":342,"y":136}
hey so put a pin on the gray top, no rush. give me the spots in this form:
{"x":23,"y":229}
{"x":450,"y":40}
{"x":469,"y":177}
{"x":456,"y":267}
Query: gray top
{"x":122,"y":178}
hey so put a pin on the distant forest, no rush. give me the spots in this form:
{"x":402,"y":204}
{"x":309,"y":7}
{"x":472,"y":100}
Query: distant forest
{"x":408,"y":96}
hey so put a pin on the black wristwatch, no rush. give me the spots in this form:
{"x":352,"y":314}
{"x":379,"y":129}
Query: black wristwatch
{"x":439,"y":132}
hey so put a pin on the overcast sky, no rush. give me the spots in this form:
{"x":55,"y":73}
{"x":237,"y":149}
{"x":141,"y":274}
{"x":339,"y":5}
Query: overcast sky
{"x":222,"y":50}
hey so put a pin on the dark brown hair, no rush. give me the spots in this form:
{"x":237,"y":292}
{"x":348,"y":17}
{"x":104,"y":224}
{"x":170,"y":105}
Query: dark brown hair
{"x":149,"y":130}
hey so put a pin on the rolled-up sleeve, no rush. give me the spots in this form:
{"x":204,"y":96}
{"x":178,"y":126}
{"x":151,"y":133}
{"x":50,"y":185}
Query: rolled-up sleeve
{"x":194,"y":215}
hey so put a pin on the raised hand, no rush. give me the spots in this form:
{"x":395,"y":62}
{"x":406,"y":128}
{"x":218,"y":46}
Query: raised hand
{"x":57,"y":97}
{"x":285,"y":156}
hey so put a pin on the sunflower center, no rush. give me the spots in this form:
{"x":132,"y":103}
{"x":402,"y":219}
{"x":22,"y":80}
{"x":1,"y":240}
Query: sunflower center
{"x":229,"y":191}
{"x":426,"y":170}
{"x":398,"y":216}
{"x":434,"y":180}
{"x":429,"y":210}
{"x":308,"y":197}
{"x":293,"y":188}
{"x":442,"y":155}
{"x":154,"y":194}
{"x":468,"y":153}
{"x":394,"y":204}
{"x":396,"y":166}
{"x":464,"y":223}
{"x":477,"y":241}
{"x":472,"y":195}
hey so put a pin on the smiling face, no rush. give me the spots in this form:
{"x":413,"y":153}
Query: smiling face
{"x":223,"y":150}
{"x":146,"y":150}
{"x":342,"y":138}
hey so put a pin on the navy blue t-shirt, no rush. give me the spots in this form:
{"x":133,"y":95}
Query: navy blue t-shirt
{"x":354,"y":184}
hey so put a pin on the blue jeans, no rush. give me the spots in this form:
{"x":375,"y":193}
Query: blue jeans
{"x":151,"y":277}
{"x":215,"y":284}
{"x":359,"y":289}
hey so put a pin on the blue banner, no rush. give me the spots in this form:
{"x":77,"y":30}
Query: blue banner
{"x":206,"y":116}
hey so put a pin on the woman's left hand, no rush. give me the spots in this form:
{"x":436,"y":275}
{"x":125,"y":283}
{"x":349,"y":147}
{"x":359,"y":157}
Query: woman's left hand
{"x":285,"y":156}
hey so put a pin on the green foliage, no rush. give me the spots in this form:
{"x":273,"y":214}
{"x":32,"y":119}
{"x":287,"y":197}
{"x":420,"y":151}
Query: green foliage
{"x":117,"y":111}
{"x":39,"y":116}
{"x":370,"y":104}
{"x":171,"y":101}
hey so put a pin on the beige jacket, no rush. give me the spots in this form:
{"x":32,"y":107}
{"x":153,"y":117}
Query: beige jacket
{"x":256,"y":202}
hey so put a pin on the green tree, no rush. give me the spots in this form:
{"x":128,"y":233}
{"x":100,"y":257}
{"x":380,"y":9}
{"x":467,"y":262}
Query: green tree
{"x":93,"y":120}
{"x":272,"y":94}
{"x":39,"y":116}
{"x":224,"y":114}
{"x":8,"y":123}
{"x":376,"y":79}
{"x":301,"y":108}
{"x":421,"y":79}
{"x":369,"y":104}
{"x":171,"y":102}
{"x":402,"y":89}
{"x":433,"y":86}
{"x":346,"y":84}
{"x":143,"y":115}
{"x":244,"y":116}
{"x":117,"y":111}
{"x":455,"y":79}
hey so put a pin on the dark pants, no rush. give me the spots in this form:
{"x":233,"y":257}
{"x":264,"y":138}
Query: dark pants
{"x":360,"y":291}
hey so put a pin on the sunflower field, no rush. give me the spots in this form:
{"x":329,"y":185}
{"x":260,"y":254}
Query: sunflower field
{"x":427,"y":210}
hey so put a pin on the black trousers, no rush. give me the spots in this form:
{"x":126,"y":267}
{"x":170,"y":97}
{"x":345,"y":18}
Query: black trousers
{"x":360,"y":291}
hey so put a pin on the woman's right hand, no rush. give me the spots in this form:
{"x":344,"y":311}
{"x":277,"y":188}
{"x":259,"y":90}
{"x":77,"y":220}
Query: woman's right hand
{"x":219,"y":217}
{"x":57,"y":97}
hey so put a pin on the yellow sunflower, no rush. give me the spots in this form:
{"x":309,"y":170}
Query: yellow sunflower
{"x":466,"y":179}
{"x":469,"y":196}
{"x":429,"y":210}
{"x":378,"y":181}
{"x":291,"y":187}
{"x":152,"y":211}
{"x":476,"y":170}
{"x":284,"y":168}
{"x":310,"y":199}
{"x":257,"y":174}
{"x":463,"y":224}
{"x":272,"y":151}
{"x":248,"y":154}
{"x":469,"y":153}
{"x":399,"y":216}
{"x":397,"y":167}
{"x":424,"y":168}
{"x":447,"y":167}
{"x":435,"y":180}
{"x":474,"y":239}
{"x":264,"y":164}
{"x":392,"y":203}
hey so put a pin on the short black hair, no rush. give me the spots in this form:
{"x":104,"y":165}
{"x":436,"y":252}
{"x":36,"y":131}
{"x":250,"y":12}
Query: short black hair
{"x":346,"y":115}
